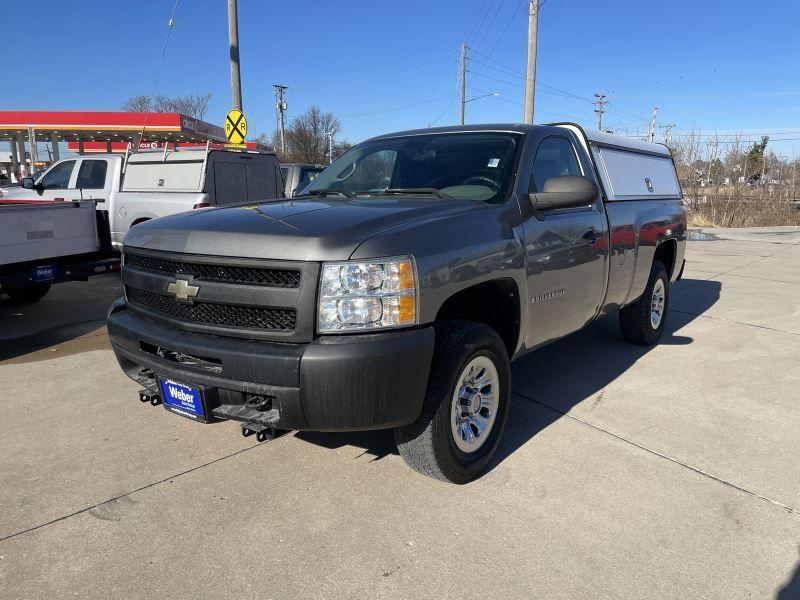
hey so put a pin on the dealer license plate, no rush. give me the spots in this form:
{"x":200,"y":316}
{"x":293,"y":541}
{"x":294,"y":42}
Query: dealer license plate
{"x":183,"y":399}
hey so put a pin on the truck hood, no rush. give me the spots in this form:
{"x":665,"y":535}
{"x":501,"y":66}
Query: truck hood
{"x":312,"y":230}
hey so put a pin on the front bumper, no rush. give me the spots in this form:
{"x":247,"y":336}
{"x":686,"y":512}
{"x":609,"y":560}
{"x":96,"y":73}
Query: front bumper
{"x":336,"y":383}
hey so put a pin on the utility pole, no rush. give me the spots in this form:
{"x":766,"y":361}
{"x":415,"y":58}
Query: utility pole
{"x":463,"y":81}
{"x":280,"y":107}
{"x":667,"y":128}
{"x":601,"y":108}
{"x":233,"y":42}
{"x":530,"y":73}
{"x":651,"y":129}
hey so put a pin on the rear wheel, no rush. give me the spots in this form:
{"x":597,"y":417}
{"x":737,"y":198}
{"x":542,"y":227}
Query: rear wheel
{"x":29,"y":294}
{"x":466,"y":405}
{"x":643,"y":321}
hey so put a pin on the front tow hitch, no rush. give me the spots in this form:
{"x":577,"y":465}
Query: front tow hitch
{"x":146,"y":395}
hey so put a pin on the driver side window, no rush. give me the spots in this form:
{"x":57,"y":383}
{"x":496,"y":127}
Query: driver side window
{"x":57,"y":178}
{"x":554,"y":158}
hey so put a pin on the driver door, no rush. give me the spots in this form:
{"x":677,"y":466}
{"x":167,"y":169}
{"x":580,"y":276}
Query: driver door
{"x":58,"y":183}
{"x":565,"y":256}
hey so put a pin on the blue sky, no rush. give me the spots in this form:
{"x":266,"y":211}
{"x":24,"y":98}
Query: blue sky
{"x":707,"y":65}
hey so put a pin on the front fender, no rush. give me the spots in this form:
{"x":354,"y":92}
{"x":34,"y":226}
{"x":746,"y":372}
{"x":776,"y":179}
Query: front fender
{"x":454,"y":253}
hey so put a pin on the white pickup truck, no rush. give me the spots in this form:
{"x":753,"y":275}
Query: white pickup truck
{"x":146,"y":185}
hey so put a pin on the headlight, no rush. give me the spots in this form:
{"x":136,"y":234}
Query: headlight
{"x":373,"y":294}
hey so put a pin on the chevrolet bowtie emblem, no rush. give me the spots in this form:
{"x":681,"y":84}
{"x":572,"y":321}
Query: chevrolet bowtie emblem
{"x":182,"y":289}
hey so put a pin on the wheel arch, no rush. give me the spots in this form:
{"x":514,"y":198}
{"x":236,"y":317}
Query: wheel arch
{"x":666,"y":252}
{"x":495,"y":303}
{"x":140,"y":220}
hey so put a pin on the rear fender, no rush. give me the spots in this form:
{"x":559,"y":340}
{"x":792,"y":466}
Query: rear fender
{"x":652,"y":228}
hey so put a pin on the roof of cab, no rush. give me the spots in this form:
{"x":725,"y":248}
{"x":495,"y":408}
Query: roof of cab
{"x":592,"y":136}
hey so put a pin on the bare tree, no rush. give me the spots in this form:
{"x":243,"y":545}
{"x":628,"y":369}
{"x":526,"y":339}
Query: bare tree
{"x":192,"y":105}
{"x":730,"y":182}
{"x":138,"y":104}
{"x":307,"y":137}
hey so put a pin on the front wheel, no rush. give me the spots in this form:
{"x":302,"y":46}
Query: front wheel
{"x":466,"y":405}
{"x":643,"y":321}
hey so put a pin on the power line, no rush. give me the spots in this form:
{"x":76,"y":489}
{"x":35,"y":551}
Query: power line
{"x":515,"y":73}
{"x":491,"y":23}
{"x":627,"y":112}
{"x":378,"y":112}
{"x":518,"y":103}
{"x":516,"y":83}
{"x":505,"y":29}
{"x":550,"y":89}
{"x":734,"y":133}
{"x":366,"y":76}
{"x":171,"y":25}
{"x":494,"y":60}
{"x":487,"y":7}
{"x":446,"y":108}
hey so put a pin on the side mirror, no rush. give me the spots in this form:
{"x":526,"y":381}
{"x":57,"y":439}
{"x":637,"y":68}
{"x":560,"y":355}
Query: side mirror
{"x":27,"y":183}
{"x":566,"y":191}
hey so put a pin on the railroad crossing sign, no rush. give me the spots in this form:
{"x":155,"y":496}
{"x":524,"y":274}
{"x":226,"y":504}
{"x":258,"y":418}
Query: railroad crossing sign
{"x":235,"y":127}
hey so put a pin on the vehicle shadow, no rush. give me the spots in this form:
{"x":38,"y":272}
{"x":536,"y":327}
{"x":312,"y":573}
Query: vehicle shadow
{"x":577,"y":369}
{"x":790,"y":591}
{"x":70,"y":311}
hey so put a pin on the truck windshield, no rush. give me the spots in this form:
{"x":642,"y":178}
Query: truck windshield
{"x":468,"y":165}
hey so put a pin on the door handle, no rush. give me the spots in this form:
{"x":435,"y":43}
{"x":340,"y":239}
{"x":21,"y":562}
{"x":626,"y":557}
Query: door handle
{"x":590,"y":235}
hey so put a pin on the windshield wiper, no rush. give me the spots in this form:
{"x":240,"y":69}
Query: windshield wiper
{"x":417,"y":191}
{"x":327,"y":191}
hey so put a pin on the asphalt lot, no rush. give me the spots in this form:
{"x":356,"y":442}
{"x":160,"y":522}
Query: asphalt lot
{"x":625,"y":472}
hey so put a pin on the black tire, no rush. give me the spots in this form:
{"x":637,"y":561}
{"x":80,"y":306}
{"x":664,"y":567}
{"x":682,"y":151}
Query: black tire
{"x":635,"y":319}
{"x":428,"y":445}
{"x":29,"y":294}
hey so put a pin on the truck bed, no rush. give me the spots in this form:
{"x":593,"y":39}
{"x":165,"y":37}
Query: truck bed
{"x":32,"y":231}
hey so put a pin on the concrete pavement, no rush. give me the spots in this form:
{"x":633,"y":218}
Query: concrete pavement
{"x":625,"y":472}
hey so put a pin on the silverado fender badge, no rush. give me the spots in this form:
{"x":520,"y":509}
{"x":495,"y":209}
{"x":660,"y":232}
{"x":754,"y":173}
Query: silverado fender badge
{"x":183,"y":290}
{"x":649,"y":184}
{"x":548,"y":295}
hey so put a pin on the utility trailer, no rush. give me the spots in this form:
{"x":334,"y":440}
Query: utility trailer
{"x":47,"y":242}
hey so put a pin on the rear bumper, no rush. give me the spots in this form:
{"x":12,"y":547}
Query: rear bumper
{"x":337,"y":383}
{"x":68,"y":268}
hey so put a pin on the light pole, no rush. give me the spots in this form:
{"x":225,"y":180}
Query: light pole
{"x":330,"y":146}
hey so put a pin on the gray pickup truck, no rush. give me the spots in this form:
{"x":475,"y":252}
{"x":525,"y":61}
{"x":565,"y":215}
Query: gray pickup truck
{"x":397,"y":289}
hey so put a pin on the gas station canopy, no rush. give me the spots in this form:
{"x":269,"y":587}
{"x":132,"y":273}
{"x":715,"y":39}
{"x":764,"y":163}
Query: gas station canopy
{"x":99,"y":127}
